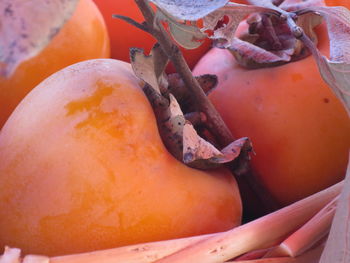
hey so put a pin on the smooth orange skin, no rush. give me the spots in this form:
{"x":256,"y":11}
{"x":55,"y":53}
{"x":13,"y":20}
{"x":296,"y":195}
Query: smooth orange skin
{"x":124,"y":36}
{"x":82,"y":167}
{"x":83,"y":37}
{"x":299,"y":129}
{"x":345,"y":3}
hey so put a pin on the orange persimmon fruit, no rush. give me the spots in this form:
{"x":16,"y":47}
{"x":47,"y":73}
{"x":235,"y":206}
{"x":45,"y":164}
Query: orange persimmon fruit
{"x":84,"y":36}
{"x":299,"y":129}
{"x":82,"y":167}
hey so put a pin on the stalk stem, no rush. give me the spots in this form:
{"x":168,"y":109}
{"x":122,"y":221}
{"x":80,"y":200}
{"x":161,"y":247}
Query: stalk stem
{"x":200,"y":100}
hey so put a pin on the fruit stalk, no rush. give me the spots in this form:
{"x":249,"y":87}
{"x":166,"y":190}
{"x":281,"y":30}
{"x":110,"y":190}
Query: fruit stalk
{"x":215,"y":122}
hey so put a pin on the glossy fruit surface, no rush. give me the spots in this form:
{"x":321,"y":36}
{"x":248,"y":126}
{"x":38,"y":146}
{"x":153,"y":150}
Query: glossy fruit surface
{"x":124,"y":36}
{"x":299,"y":129}
{"x":82,"y":167}
{"x":83,"y":37}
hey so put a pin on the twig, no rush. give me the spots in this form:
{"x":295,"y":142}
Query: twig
{"x":132,"y":22}
{"x":215,"y":122}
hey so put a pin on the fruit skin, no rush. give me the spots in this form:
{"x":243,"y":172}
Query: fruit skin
{"x":345,"y":3}
{"x":82,"y":167}
{"x":299,"y":129}
{"x":124,"y":36}
{"x":83,"y":37}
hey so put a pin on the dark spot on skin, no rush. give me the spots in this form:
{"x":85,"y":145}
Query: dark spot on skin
{"x":13,"y":44}
{"x":8,"y":11}
{"x":23,"y":24}
{"x":53,"y":32}
{"x":188,"y":157}
{"x":326,"y":100}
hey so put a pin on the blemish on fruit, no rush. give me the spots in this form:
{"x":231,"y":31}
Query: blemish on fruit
{"x":326,"y":100}
{"x":89,"y":102}
{"x":296,"y":77}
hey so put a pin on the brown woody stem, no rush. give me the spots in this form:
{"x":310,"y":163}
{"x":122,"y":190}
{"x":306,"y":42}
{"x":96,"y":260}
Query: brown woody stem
{"x":215,"y":122}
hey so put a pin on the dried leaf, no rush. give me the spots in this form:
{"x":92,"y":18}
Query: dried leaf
{"x":182,"y":93}
{"x":338,"y":24}
{"x":264,"y":3}
{"x":233,"y":150}
{"x":150,"y":68}
{"x":336,"y":70}
{"x":293,"y":5}
{"x":308,"y":22}
{"x":195,"y":147}
{"x":170,"y":124}
{"x":252,"y":56}
{"x":201,"y":154}
{"x":189,"y":9}
{"x":187,"y":36}
{"x":235,"y":14}
{"x":27,"y":27}
{"x":337,"y":249}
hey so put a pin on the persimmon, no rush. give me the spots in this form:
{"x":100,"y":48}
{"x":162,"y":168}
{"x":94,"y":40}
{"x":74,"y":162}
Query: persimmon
{"x":124,"y":36}
{"x":83,"y":37}
{"x":345,"y":3}
{"x":82,"y":167}
{"x":299,"y":129}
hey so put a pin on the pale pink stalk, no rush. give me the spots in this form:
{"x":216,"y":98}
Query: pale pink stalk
{"x":308,"y":235}
{"x":140,"y":253}
{"x":311,"y":256}
{"x":261,"y":233}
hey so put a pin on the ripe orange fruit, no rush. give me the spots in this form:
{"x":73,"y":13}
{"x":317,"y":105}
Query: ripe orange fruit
{"x":345,"y":3}
{"x":82,"y":167}
{"x":299,"y":129}
{"x":83,"y":37}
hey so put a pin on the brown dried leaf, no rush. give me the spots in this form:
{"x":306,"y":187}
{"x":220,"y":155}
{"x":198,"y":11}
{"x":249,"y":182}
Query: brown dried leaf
{"x":337,"y":248}
{"x":233,"y":150}
{"x":252,"y":56}
{"x":189,"y":9}
{"x":150,"y":68}
{"x":182,"y":93}
{"x":308,"y":22}
{"x":187,"y":36}
{"x":172,"y":128}
{"x":235,"y":13}
{"x":196,"y":148}
{"x":201,"y":154}
{"x":27,"y":27}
